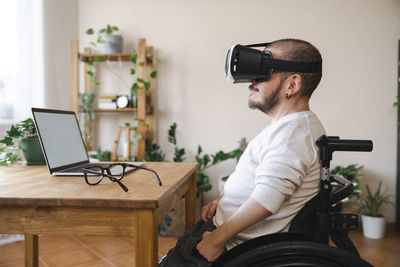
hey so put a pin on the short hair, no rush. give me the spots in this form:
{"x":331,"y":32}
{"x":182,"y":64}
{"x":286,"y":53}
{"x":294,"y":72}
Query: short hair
{"x":300,"y":51}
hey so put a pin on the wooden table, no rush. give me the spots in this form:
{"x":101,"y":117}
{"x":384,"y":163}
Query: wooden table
{"x":33,"y":202}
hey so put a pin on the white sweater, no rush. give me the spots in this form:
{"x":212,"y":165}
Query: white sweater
{"x":279,"y":169}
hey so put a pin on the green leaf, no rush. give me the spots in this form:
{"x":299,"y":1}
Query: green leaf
{"x":237,"y":153}
{"x":15,"y":132}
{"x":172,"y":133}
{"x":206,"y":160}
{"x":102,"y":30}
{"x":147,"y":85}
{"x":138,"y":136}
{"x":153,"y":74}
{"x":98,"y":154}
{"x":90,"y":63}
{"x":140,"y":80}
{"x":133,"y":59}
{"x":153,"y":152}
{"x":90,"y":31}
{"x":135,"y":87}
{"x":98,"y":59}
{"x":94,"y":83}
{"x":179,"y":154}
{"x":133,"y":52}
{"x":8,"y":141}
{"x":90,"y":73}
{"x":114,"y":28}
{"x":27,"y":128}
{"x":100,"y":40}
{"x":109,"y":30}
{"x":9,"y":158}
{"x":133,"y":71}
{"x":93,"y":44}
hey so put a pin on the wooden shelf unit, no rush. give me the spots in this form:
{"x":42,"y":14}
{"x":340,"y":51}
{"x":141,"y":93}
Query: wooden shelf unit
{"x":144,"y":65}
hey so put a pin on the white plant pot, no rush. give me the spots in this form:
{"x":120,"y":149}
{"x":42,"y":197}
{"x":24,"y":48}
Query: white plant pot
{"x":373,"y":227}
{"x":112,"y":44}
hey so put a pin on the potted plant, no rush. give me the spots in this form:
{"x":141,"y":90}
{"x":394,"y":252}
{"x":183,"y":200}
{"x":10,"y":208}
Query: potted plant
{"x":373,"y":221}
{"x":351,"y":172}
{"x":22,"y":136}
{"x":112,"y":43}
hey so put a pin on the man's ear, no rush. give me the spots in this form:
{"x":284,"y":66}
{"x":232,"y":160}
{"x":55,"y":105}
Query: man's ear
{"x":293,"y":84}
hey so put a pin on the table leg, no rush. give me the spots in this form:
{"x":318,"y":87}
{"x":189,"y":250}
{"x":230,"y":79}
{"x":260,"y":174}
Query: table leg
{"x":31,"y":250}
{"x":146,"y":239}
{"x":190,"y":204}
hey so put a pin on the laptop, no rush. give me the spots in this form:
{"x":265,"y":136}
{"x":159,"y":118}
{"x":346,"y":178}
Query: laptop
{"x":62,"y":143}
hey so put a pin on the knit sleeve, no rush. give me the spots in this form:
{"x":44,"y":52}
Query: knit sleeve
{"x":285,"y":162}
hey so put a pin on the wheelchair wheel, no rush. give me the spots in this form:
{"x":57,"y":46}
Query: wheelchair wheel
{"x":295,"y":253}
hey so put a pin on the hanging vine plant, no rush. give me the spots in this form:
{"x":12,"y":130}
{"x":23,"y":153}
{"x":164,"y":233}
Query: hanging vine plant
{"x":140,"y":82}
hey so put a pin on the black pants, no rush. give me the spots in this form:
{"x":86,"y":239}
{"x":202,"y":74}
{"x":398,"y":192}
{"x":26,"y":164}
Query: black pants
{"x":185,"y":253}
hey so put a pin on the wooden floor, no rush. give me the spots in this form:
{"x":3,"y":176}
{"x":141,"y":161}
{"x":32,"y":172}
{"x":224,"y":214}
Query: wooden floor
{"x":99,"y":251}
{"x":379,"y":252}
{"x":79,"y":251}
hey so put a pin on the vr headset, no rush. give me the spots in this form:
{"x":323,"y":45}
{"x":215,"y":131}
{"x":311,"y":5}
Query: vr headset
{"x":245,"y":64}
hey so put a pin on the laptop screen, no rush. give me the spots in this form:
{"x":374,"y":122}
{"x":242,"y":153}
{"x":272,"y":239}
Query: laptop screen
{"x":61,"y":137}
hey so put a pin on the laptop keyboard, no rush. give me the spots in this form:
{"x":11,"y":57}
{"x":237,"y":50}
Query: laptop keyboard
{"x":79,"y":169}
{"x":116,"y":170}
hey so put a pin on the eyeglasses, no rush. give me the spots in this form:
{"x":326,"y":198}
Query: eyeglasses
{"x":94,"y":174}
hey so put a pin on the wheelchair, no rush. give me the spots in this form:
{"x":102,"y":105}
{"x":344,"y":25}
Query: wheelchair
{"x":307,"y":241}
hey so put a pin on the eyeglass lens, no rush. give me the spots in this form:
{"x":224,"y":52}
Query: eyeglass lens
{"x":92,"y":178}
{"x":116,"y":170}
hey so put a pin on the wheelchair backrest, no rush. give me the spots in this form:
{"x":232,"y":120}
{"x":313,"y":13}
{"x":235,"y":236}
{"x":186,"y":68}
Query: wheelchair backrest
{"x":313,"y":218}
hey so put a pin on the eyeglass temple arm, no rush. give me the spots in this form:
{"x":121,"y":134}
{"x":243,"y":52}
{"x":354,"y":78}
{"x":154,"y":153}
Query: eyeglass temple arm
{"x":147,"y":169}
{"x":112,"y":178}
{"x":122,"y":185}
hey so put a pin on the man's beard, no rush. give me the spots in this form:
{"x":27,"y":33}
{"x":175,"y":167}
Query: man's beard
{"x":269,"y":103}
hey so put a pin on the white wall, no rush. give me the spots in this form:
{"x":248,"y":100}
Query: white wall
{"x":357,"y":39}
{"x":60,"y":22}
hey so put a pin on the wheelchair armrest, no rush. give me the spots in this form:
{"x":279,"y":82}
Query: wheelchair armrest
{"x":260,"y":241}
{"x":343,"y":192}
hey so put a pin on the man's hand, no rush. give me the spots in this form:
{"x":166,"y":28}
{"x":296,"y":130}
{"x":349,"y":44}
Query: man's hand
{"x":209,"y":248}
{"x":213,"y":243}
{"x":208,"y":211}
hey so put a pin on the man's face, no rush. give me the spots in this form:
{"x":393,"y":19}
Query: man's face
{"x":265,"y":96}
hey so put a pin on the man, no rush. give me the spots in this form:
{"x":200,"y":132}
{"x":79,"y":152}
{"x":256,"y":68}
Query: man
{"x":279,"y":170}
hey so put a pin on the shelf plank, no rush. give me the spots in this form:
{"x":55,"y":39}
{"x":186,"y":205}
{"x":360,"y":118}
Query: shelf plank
{"x":112,"y":57}
{"x":115,"y":110}
{"x":104,"y":57}
{"x":149,"y":110}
